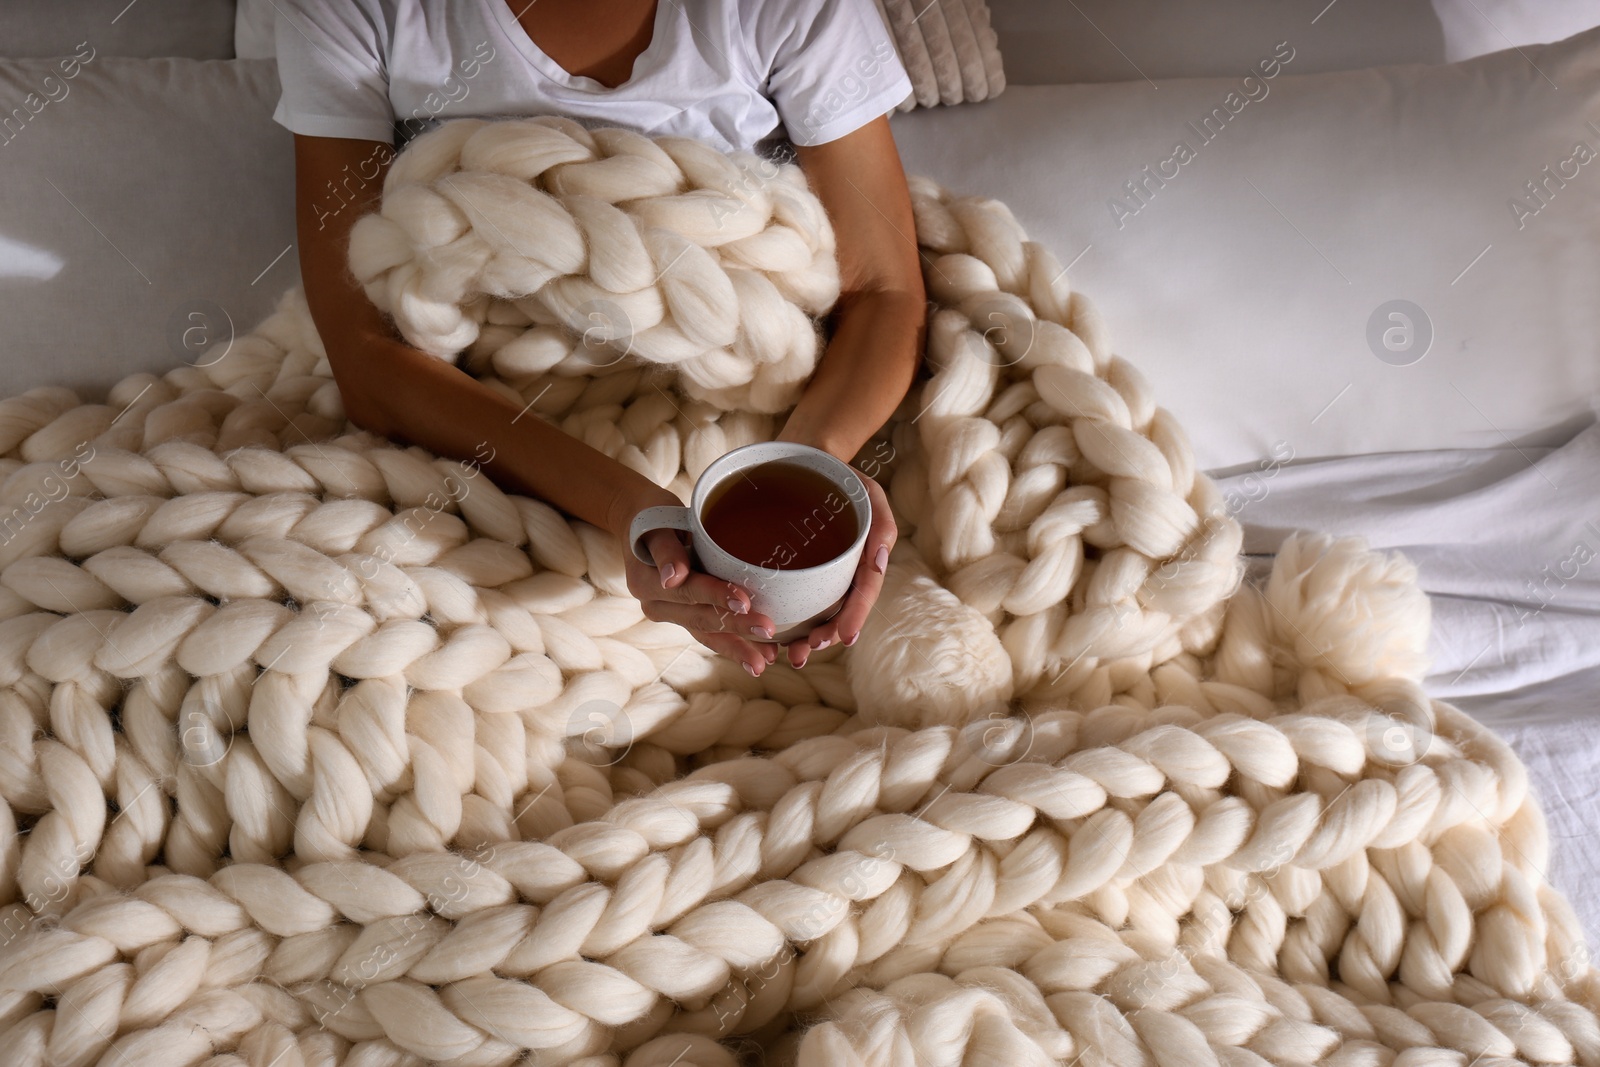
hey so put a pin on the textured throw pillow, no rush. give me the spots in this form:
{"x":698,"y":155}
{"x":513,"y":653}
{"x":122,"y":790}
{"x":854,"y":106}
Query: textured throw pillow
{"x":948,"y":49}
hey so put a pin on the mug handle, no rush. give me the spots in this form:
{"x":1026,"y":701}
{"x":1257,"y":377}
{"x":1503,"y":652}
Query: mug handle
{"x":666,"y":516}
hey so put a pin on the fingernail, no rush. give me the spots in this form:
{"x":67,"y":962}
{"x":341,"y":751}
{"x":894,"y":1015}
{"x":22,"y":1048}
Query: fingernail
{"x":737,"y":606}
{"x":751,"y":671}
{"x":852,"y":638}
{"x":802,"y":662}
{"x":762,"y":631}
{"x":881,"y":560}
{"x":667,"y":571}
{"x":824,"y":643}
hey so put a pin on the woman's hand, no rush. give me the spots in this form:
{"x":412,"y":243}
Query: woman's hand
{"x":715,"y":611}
{"x":864,"y":588}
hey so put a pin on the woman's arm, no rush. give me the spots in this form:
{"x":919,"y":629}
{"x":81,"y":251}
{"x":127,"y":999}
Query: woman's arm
{"x":881,"y":313}
{"x":397,"y":391}
{"x":877,"y":343}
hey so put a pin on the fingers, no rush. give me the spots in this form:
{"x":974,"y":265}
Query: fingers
{"x":671,"y":556}
{"x":716,"y":612}
{"x":684,"y":584}
{"x":852,"y":615}
{"x":694,"y":599}
{"x":719,"y":613}
{"x":798,"y":650}
{"x":712,"y":617}
{"x":726,"y":596}
{"x":701,"y":602}
{"x":870,"y":571}
{"x":845,"y":625}
{"x":755,"y":657}
{"x":820,"y":637}
{"x":883,"y":533}
{"x":734,"y":648}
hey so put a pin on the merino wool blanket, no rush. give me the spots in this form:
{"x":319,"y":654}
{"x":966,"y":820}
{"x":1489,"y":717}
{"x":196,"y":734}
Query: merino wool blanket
{"x":319,"y":750}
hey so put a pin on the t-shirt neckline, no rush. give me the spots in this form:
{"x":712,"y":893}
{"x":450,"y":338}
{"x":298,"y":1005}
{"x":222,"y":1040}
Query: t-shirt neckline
{"x":560,"y":75}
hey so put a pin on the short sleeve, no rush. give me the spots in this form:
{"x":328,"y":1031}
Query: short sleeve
{"x":829,"y":66}
{"x":333,"y":78}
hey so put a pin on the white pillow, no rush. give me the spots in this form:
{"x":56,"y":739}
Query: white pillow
{"x":1052,"y":42}
{"x":147,"y":211}
{"x":1245,"y":285}
{"x":191,"y":29}
{"x":1478,"y":27}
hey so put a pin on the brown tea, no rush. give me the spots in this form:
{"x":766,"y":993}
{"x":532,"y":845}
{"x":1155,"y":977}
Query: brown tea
{"x":780,"y":515}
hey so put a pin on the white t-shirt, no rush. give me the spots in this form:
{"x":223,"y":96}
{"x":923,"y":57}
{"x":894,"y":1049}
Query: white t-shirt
{"x":731,"y":72}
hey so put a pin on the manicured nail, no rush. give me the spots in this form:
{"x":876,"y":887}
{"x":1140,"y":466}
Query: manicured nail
{"x":852,"y":638}
{"x":802,"y":662}
{"x":737,"y":606}
{"x":881,"y":560}
{"x":667,"y":571}
{"x":824,"y":643}
{"x":750,"y":670}
{"x":762,"y":631}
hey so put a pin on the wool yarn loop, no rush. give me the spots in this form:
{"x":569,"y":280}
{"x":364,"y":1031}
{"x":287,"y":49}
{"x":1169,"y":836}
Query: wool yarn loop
{"x":316,"y":750}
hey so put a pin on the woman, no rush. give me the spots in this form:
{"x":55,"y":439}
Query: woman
{"x":360,"y":76}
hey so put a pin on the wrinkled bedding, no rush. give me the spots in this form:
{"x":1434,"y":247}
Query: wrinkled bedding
{"x":1507,"y":544}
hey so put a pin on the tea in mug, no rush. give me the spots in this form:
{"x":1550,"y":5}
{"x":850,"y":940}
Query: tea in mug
{"x":780,"y":515}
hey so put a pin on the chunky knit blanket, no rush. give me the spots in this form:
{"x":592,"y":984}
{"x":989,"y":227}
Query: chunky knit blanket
{"x":317,"y":750}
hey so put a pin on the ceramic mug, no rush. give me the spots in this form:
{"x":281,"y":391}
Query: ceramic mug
{"x":798,"y":599}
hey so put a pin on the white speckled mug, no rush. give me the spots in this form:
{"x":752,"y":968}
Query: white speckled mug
{"x":796,"y":599}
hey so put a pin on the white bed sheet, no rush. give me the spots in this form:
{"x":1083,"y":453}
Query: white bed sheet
{"x":1507,"y":544}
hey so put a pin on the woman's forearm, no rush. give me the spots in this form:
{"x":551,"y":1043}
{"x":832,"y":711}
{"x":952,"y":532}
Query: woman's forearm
{"x":863,"y":376}
{"x":414,"y":398}
{"x":395,"y":390}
